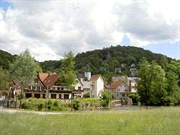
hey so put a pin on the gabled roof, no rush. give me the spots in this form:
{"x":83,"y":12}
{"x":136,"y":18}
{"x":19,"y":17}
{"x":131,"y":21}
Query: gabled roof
{"x":95,"y":77}
{"x":50,"y":80}
{"x":42,"y":76}
{"x":115,"y":84}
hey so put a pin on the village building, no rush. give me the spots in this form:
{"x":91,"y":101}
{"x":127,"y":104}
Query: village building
{"x":119,"y":89}
{"x":46,"y":85}
{"x":91,"y":84}
{"x":122,"y":86}
{"x":133,"y":71}
{"x":97,"y":86}
{"x":132,"y":83}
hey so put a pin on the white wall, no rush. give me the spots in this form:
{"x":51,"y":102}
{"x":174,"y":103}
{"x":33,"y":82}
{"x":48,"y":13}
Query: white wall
{"x":98,"y":87}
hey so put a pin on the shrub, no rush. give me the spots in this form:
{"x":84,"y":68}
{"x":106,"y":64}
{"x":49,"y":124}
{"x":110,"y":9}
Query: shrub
{"x":25,"y":105}
{"x":76,"y":104}
{"x":106,"y":98}
{"x":168,"y":100}
{"x":134,"y":97}
{"x":87,"y":95}
{"x":55,"y":104}
{"x":44,"y":104}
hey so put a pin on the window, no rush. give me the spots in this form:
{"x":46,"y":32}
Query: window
{"x":60,"y":96}
{"x":66,"y":96}
{"x":44,"y":95}
{"x":37,"y":95}
{"x":53,"y":95}
{"x":28,"y":95}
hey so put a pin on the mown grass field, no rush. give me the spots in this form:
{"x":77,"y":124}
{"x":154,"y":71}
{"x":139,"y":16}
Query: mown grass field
{"x":163,"y":120}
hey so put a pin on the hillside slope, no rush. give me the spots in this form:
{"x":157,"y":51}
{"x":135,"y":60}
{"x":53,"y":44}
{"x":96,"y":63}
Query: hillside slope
{"x":5,"y":59}
{"x":107,"y":58}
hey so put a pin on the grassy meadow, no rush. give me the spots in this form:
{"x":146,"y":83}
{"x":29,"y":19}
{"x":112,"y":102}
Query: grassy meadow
{"x":163,"y":120}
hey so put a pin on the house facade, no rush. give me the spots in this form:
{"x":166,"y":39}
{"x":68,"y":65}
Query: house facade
{"x":132,"y":83}
{"x":119,"y":89}
{"x":96,"y":86}
{"x":46,"y":86}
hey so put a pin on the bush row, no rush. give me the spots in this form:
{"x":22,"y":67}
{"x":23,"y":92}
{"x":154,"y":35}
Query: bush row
{"x":60,"y":105}
{"x":45,"y":104}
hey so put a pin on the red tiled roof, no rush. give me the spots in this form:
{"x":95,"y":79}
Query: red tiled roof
{"x":115,"y":84}
{"x":50,"y":80}
{"x":94,"y":77}
{"x":43,"y":76}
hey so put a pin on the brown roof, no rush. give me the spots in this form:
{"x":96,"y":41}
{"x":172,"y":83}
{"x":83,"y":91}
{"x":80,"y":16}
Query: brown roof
{"x":48,"y":79}
{"x":95,"y":77}
{"x":43,"y":76}
{"x":115,"y":84}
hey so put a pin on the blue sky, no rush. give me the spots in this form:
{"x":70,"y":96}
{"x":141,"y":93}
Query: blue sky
{"x":5,"y":5}
{"x":51,"y":28}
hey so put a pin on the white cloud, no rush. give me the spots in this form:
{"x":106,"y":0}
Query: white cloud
{"x":51,"y":28}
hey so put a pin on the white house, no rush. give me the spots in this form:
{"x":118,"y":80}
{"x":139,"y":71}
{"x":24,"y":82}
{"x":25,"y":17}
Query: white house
{"x":96,"y":86}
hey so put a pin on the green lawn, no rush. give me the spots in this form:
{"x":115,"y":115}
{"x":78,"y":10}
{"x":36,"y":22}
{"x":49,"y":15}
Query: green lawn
{"x":163,"y":120}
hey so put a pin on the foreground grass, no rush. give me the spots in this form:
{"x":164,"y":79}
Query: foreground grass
{"x":164,"y":120}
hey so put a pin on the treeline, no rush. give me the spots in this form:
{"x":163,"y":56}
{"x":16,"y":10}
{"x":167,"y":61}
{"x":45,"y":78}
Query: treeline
{"x":112,"y":57}
{"x":5,"y":59}
{"x":159,"y":83}
{"x":106,"y":60}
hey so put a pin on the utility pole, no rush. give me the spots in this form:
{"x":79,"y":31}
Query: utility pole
{"x":47,"y":97}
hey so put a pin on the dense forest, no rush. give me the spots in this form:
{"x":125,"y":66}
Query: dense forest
{"x":106,"y":59}
{"x":5,"y":59}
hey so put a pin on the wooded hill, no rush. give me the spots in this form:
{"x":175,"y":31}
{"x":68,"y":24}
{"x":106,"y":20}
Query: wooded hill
{"x":106,"y":59}
{"x":99,"y":61}
{"x":5,"y":59}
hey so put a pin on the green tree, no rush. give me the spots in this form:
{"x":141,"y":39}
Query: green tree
{"x":68,"y":74}
{"x":144,"y":82}
{"x":3,"y":79}
{"x":152,"y":85}
{"x":23,"y":70}
{"x":164,"y":63}
{"x":157,"y":84}
{"x":173,"y":90}
{"x":106,"y":98}
{"x":174,"y":66}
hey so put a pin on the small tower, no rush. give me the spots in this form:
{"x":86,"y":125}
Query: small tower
{"x":87,"y":74}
